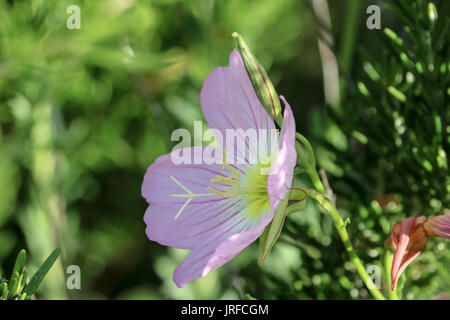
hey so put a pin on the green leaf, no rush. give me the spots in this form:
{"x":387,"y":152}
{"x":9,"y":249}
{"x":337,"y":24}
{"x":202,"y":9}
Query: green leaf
{"x":24,"y":281}
{"x":396,"y":93}
{"x":37,"y":278}
{"x":393,"y":36}
{"x":4,"y":291}
{"x":346,"y":222}
{"x":249,"y":297}
{"x":16,"y":278}
{"x":20,"y":262}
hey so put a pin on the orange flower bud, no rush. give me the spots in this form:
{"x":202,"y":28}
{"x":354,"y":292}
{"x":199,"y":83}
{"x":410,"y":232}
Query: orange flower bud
{"x":410,"y":237}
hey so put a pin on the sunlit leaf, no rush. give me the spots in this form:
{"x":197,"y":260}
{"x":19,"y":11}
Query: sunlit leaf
{"x":37,"y":278}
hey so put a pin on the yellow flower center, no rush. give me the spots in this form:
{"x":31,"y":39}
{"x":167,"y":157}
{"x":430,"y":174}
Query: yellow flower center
{"x":252,"y":189}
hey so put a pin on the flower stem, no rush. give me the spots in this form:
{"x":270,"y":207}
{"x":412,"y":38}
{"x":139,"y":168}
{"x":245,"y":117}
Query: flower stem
{"x":388,"y":265}
{"x":321,"y":196}
{"x":326,"y":204}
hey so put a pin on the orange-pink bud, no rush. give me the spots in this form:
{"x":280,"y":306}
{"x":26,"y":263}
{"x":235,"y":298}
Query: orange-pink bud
{"x":410,"y":237}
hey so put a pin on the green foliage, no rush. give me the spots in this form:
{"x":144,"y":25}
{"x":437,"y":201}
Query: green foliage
{"x":17,"y":287}
{"x":394,"y":162}
{"x":37,"y":278}
{"x":399,"y":116}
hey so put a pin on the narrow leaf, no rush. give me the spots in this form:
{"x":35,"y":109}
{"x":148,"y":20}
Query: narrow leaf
{"x":20,"y":262}
{"x":4,"y":291}
{"x":396,"y":93}
{"x":394,"y":37}
{"x":24,"y":281}
{"x":14,"y":284}
{"x":37,"y":278}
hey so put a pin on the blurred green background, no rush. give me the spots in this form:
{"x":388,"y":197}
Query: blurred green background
{"x":83,"y":113}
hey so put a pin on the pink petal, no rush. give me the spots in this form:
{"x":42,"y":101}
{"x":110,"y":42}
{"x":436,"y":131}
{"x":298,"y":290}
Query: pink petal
{"x":229,"y":102}
{"x":158,"y":185}
{"x":218,"y":250}
{"x":281,"y":173}
{"x":401,"y":269}
{"x":400,"y":245}
{"x":197,"y":222}
{"x":202,"y":217}
{"x":438,"y":226}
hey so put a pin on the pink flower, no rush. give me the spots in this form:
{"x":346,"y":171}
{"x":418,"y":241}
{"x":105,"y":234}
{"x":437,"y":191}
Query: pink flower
{"x":410,"y":237}
{"x":217,"y":210}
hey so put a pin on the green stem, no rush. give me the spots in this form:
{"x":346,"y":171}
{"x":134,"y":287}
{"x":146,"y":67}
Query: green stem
{"x":388,"y":265}
{"x":305,"y":142}
{"x":321,"y":197}
{"x":340,"y":226}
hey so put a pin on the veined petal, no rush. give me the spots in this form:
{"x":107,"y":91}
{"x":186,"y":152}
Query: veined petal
{"x":438,"y":226}
{"x":218,"y":250}
{"x":159,"y":186}
{"x":197,"y":222}
{"x":281,"y":173}
{"x":229,"y":102}
{"x":173,"y":218}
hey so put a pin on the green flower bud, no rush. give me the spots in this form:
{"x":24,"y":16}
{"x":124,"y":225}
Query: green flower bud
{"x":261,"y":82}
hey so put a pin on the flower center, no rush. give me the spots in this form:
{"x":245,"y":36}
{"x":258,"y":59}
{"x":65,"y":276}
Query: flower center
{"x":251,"y":189}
